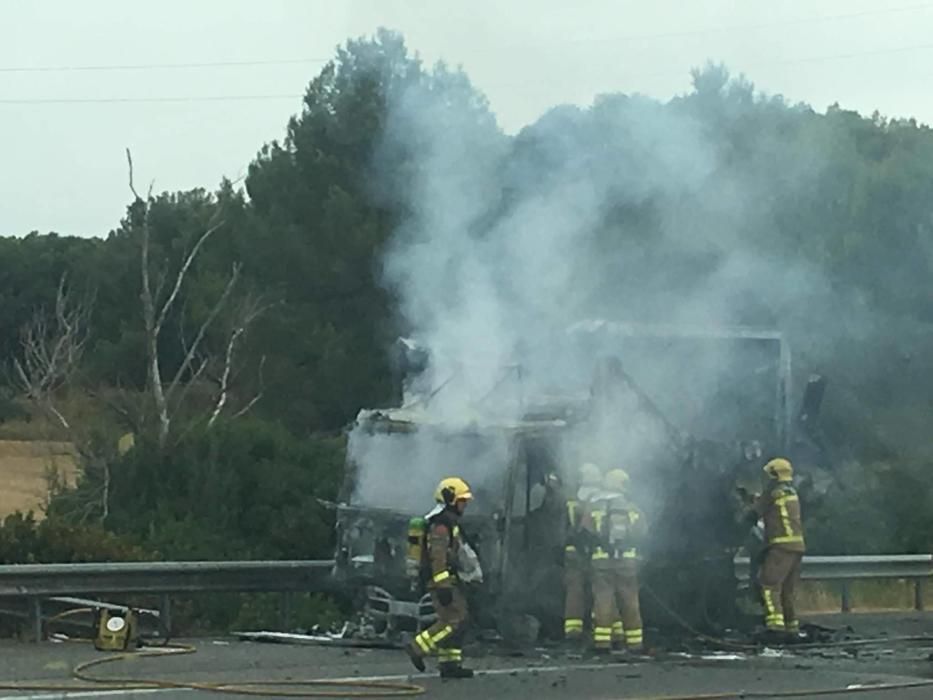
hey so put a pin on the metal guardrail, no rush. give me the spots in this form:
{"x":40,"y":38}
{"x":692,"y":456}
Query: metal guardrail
{"x":916,"y":568}
{"x":37,"y":581}
{"x":33,"y":582}
{"x":162,"y":577}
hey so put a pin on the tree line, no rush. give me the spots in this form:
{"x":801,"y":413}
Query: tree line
{"x":205,"y":355}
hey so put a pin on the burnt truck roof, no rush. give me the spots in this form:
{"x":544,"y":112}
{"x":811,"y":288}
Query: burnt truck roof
{"x":400,"y":475}
{"x":668,"y":330}
{"x":554,"y":414}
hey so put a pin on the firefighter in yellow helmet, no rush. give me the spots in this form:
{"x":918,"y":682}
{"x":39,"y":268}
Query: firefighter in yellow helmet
{"x":444,"y":543}
{"x":617,"y":527}
{"x":779,"y":507}
{"x":576,"y":551}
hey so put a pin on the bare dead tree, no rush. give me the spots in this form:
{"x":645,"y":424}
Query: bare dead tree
{"x":158,"y":301}
{"x":250,"y":309}
{"x":52,"y":343}
{"x":157,"y":307}
{"x":259,"y":392}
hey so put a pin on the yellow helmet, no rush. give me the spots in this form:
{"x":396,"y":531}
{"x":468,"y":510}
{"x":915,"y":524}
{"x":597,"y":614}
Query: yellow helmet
{"x":451,"y":490}
{"x":780,"y":469}
{"x":590,"y":474}
{"x":616,"y":480}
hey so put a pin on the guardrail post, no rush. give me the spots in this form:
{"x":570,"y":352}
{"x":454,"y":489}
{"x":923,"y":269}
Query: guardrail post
{"x":918,"y":594}
{"x":165,"y":616}
{"x":846,"y":598}
{"x":36,"y":618}
{"x":285,"y":611}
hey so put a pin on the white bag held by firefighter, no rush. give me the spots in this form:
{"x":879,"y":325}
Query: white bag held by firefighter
{"x":469,"y":569}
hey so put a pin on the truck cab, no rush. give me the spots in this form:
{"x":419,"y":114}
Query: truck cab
{"x":690,"y":442}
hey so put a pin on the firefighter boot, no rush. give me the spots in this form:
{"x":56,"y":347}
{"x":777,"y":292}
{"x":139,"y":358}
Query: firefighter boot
{"x":453,"y":670}
{"x":771,"y":637}
{"x":618,"y":636}
{"x":451,"y":664}
{"x":415,"y":655}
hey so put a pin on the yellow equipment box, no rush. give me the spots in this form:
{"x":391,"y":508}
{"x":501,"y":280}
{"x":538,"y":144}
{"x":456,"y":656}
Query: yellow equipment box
{"x":115,"y":631}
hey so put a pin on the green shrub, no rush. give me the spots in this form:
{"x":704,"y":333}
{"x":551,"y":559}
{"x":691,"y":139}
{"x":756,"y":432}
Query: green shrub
{"x":10,"y":408}
{"x":24,"y":540}
{"x":874,"y":508}
{"x":245,"y":489}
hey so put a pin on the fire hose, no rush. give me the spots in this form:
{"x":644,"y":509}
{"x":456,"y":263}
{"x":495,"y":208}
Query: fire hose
{"x":302,"y":688}
{"x":305,"y":688}
{"x":334,"y":688}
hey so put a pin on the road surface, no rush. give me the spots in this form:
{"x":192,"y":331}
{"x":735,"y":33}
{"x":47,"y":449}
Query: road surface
{"x":538,"y":675}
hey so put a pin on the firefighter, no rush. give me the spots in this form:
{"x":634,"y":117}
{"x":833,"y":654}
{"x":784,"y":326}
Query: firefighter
{"x":617,"y":526}
{"x":576,"y":552}
{"x":779,"y":507}
{"x":442,"y":551}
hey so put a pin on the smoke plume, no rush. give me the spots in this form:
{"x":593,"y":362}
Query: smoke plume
{"x":626,"y":211}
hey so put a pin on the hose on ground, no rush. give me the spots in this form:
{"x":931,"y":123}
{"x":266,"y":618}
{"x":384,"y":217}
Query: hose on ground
{"x":302,"y":688}
{"x":332,"y":688}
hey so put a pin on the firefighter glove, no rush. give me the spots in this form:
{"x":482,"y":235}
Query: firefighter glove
{"x":445,"y":596}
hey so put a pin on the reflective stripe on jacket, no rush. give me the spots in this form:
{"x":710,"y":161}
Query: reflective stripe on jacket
{"x":617,"y":526}
{"x":779,"y":507}
{"x":574,"y":521}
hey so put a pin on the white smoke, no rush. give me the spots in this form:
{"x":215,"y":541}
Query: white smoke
{"x":399,"y":472}
{"x":508,"y":242}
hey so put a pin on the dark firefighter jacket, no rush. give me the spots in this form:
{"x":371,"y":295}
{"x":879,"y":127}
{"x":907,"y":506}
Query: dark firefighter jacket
{"x":574,"y":539}
{"x":779,"y":507}
{"x":443,"y":545}
{"x":617,"y":527}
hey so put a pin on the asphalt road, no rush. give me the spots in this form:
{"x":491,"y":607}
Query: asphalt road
{"x":538,"y":675}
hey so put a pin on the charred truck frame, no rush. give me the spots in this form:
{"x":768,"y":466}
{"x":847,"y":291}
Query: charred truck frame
{"x":690,"y":483}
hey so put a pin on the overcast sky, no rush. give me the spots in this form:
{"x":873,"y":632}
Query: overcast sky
{"x":63,"y":166}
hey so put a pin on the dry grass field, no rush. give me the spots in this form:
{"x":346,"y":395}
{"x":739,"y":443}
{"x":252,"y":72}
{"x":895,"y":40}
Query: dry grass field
{"x":885,"y":595}
{"x":24,"y":469}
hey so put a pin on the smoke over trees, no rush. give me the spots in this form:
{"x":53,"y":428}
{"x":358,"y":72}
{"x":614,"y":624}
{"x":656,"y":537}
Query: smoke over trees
{"x":396,"y":206}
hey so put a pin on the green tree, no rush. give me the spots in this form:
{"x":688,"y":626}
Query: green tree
{"x":320,"y":236}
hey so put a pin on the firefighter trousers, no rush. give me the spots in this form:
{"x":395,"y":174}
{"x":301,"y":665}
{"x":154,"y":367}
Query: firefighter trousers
{"x":616,"y":609}
{"x":444,"y":636}
{"x":574,"y":593}
{"x":779,"y":576}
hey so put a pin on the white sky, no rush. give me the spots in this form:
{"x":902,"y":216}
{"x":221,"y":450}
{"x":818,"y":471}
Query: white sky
{"x":63,"y":164}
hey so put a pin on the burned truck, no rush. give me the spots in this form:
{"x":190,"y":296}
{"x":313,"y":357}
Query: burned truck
{"x":692,"y":433}
{"x":513,"y":515}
